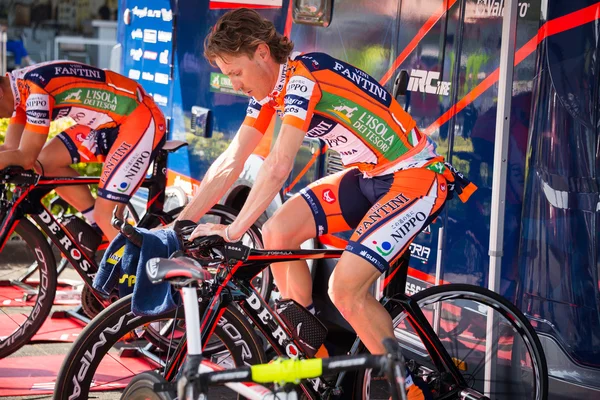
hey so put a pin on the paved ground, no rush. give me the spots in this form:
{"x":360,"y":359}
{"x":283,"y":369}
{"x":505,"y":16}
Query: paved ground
{"x":48,"y":349}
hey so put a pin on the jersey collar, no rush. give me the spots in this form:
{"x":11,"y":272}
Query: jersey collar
{"x":13,"y":87}
{"x":278,"y":86}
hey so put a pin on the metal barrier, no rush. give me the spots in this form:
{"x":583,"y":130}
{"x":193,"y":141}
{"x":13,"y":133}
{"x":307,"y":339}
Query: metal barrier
{"x":77,"y":40}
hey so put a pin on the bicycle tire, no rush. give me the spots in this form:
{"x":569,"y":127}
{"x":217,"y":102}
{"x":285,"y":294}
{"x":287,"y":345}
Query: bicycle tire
{"x":77,"y":372}
{"x":454,"y":305}
{"x":44,"y":299}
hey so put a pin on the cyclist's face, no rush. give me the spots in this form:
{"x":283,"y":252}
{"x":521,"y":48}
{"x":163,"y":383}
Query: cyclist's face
{"x":254,"y":76}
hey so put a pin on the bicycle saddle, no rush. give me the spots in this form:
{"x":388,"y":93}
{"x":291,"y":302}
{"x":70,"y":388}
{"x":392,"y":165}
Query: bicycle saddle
{"x":175,"y":269}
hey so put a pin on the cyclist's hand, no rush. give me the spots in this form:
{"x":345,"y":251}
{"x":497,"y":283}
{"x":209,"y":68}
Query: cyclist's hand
{"x":208,"y":230}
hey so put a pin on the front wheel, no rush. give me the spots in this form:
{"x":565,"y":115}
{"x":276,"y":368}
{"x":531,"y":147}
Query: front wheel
{"x":490,"y":342}
{"x":114,"y":348}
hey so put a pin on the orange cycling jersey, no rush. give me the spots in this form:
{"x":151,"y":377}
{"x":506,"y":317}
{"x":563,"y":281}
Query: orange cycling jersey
{"x":348,"y":110}
{"x":93,"y":97}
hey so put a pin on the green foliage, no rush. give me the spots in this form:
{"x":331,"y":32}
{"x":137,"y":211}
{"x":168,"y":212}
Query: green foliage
{"x":55,"y":128}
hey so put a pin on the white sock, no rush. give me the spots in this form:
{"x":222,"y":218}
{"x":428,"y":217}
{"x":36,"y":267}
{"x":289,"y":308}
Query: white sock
{"x":89,"y":215}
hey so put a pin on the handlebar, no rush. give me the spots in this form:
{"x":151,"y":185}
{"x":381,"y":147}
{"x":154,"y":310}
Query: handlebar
{"x":18,"y":175}
{"x":292,"y":371}
{"x":200,"y":248}
{"x":125,"y":227}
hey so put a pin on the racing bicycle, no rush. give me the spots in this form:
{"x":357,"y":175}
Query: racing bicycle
{"x":28,"y":270}
{"x":439,"y":330}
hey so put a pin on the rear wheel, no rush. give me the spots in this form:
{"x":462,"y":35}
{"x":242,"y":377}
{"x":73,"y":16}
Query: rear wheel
{"x":27,"y":286}
{"x":114,"y":348}
{"x":459,"y":314}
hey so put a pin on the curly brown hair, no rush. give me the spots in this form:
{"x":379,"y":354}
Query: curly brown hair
{"x":240,"y":31}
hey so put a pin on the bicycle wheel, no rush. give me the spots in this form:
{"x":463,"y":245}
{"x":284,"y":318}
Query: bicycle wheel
{"x":113,"y":348}
{"x":459,"y":314}
{"x":27,"y":286}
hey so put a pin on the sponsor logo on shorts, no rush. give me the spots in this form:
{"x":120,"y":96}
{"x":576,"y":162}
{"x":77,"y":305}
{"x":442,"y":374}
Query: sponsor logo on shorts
{"x":384,"y":248}
{"x":328,"y":196}
{"x":379,"y":211}
{"x":365,"y":254}
{"x":310,"y":200}
{"x":122,"y":187}
{"x":114,"y":159}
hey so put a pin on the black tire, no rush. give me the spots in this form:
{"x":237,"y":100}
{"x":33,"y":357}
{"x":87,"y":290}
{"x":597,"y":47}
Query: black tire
{"x":141,"y":387}
{"x":520,"y":354}
{"x":41,"y":282}
{"x":117,"y":322}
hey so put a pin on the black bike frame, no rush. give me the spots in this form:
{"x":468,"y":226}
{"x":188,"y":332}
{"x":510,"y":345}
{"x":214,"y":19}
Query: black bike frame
{"x":232,"y":285}
{"x":27,"y":200}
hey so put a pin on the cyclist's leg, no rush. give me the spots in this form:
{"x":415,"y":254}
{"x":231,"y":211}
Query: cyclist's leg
{"x":329,"y":205}
{"x":407,"y":202}
{"x":69,"y":147}
{"x":139,"y":138}
{"x":290,"y":226}
{"x":410,"y":199}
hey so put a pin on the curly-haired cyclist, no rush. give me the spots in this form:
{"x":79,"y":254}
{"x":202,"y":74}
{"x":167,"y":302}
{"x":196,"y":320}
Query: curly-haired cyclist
{"x":394,"y":183}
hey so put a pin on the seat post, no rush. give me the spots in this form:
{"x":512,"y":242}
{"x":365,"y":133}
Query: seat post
{"x":192,"y":320}
{"x":158,"y":184}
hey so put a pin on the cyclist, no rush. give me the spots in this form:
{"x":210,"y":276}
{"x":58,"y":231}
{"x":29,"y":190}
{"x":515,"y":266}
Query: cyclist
{"x":117,"y":123}
{"x":394,"y":185}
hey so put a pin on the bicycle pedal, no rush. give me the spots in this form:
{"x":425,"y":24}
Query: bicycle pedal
{"x":306,"y":329}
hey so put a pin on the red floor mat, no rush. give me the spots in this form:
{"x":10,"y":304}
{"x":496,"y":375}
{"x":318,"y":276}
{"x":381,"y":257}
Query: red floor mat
{"x":21,"y":376}
{"x":53,"y":329}
{"x":68,"y":293}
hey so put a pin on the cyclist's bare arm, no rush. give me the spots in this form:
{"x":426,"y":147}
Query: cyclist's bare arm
{"x":26,"y":152}
{"x":13,"y":137}
{"x":222,"y":173}
{"x":270,"y":179}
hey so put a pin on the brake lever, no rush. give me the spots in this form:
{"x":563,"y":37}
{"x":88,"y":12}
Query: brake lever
{"x":126,"y":228}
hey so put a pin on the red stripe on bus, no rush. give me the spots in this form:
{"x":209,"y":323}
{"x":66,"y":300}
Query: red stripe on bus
{"x":415,"y":41}
{"x":553,"y":27}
